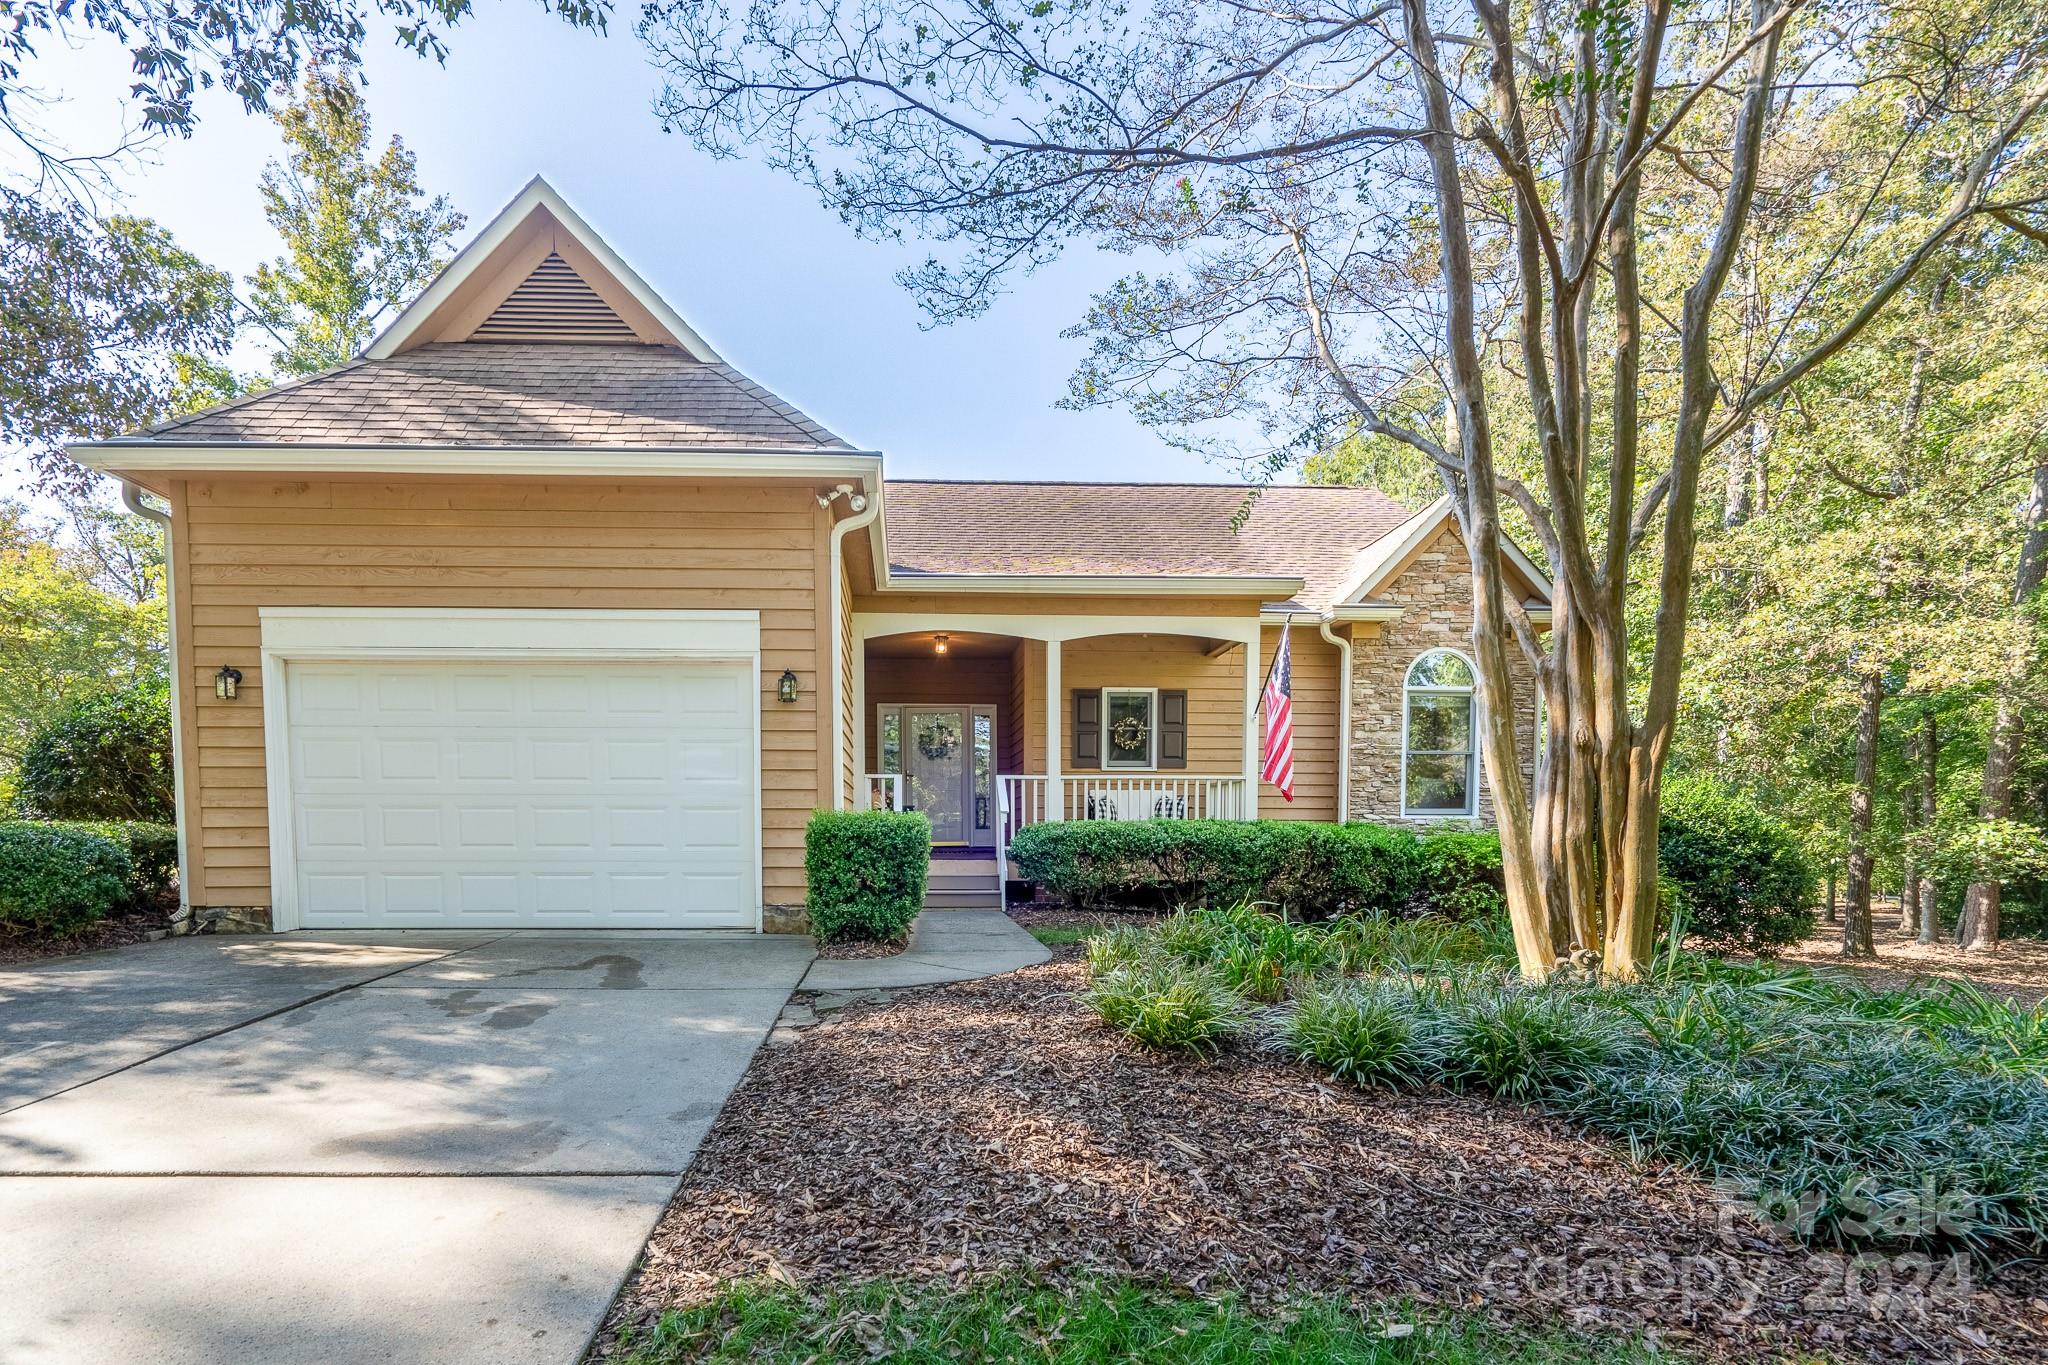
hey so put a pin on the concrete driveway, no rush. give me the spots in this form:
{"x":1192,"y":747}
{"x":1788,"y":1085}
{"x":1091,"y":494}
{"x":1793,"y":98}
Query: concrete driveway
{"x":352,"y":1147}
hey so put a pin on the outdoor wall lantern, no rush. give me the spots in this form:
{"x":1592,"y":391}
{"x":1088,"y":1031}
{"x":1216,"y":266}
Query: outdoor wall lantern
{"x":785,"y":688}
{"x":225,"y":682}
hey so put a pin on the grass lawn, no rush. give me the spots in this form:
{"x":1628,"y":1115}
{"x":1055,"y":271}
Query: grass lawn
{"x":1094,"y":1321}
{"x":1060,"y":935}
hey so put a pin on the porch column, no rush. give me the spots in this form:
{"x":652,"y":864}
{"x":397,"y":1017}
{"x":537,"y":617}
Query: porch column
{"x":1253,"y":676}
{"x":1055,"y":800}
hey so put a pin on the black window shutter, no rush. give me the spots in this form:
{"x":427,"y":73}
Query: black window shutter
{"x":1087,"y":729}
{"x":1173,"y":729}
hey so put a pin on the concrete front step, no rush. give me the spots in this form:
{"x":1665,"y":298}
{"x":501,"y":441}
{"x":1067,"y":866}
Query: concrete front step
{"x":985,"y":899}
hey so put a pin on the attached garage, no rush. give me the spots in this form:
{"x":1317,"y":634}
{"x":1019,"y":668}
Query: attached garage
{"x":604,"y":774}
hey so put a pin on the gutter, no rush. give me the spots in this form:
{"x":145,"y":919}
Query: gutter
{"x":1343,"y":717}
{"x":865,"y":509}
{"x":131,"y":498}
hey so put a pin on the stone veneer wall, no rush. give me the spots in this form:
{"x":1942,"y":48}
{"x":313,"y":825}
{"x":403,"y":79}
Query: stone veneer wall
{"x":1437,"y":591}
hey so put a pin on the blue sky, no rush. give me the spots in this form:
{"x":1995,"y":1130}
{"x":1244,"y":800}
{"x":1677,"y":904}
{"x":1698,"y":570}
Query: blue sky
{"x":749,"y":257}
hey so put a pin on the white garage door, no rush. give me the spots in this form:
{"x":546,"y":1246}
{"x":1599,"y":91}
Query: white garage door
{"x":606,"y":795}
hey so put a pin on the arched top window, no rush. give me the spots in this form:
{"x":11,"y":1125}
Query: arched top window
{"x":1439,"y":760}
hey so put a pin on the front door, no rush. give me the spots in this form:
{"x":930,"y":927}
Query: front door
{"x":935,"y":768}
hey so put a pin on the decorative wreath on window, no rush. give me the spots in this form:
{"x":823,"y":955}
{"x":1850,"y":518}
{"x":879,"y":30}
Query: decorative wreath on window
{"x":938,"y":741}
{"x":1128,"y":735}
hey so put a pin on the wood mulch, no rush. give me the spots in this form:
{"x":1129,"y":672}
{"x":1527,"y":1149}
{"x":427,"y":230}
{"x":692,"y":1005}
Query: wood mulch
{"x":116,"y":931}
{"x":2017,"y":967}
{"x":856,"y":949}
{"x":997,"y":1127}
{"x":1055,"y":916}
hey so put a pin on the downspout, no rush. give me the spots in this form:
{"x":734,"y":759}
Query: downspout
{"x":1343,"y":717}
{"x":864,"y":510}
{"x":131,"y":498}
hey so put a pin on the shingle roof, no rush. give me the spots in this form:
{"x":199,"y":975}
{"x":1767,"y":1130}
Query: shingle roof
{"x":1314,"y":533}
{"x":494,"y":394}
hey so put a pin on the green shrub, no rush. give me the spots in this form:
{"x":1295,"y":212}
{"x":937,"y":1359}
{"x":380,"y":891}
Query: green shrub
{"x":60,"y":877}
{"x":1166,"y":1002}
{"x":1739,"y":877}
{"x":865,"y":873}
{"x":1362,"y":1032}
{"x":1461,"y":876}
{"x":1530,"y":1044}
{"x":107,"y":757}
{"x":152,"y":849}
{"x":1310,"y":870}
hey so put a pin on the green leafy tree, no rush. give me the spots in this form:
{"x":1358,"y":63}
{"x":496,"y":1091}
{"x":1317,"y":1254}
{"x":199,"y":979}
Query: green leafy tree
{"x":97,"y":317}
{"x":361,"y":237}
{"x":252,"y":49}
{"x":65,"y":632}
{"x":1430,"y":223}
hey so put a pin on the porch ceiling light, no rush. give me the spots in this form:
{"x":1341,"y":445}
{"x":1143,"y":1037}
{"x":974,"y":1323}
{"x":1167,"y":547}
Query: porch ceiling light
{"x":938,"y":644}
{"x":226,"y":682}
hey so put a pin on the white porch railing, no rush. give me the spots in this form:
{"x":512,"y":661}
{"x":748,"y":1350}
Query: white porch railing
{"x":1026,"y":800}
{"x":885,"y":791}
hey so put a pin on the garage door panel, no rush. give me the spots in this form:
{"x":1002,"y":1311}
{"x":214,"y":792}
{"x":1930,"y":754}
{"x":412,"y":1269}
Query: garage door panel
{"x":523,"y":795}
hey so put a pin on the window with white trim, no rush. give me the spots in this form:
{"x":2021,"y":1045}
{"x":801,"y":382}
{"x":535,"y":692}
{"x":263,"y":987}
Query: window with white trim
{"x":1439,"y":759}
{"x":1130,"y":727}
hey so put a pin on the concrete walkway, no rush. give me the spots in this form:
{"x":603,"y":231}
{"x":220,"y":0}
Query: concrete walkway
{"x":432,"y":1148}
{"x":945,"y":945}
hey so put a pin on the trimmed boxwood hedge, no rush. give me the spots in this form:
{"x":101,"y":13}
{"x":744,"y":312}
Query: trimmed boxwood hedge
{"x":57,"y":877}
{"x":1461,"y":876}
{"x":865,"y":872}
{"x":1311,"y":870}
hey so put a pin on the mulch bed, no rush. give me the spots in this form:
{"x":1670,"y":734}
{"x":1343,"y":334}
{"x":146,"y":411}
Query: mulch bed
{"x":117,"y":931}
{"x":1032,"y":916}
{"x":2017,"y":967}
{"x":996,"y":1127}
{"x":854,"y":948}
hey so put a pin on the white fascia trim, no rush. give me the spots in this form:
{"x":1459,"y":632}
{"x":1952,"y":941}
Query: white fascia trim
{"x":1375,"y":564}
{"x":876,"y":625}
{"x":507,"y":632}
{"x":537,"y":194}
{"x":579,"y":461}
{"x":1116,"y":585}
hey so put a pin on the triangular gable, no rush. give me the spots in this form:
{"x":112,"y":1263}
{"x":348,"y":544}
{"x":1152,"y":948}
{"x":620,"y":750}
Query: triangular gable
{"x":537,"y":272}
{"x":554,"y":303}
{"x":1381,"y":562}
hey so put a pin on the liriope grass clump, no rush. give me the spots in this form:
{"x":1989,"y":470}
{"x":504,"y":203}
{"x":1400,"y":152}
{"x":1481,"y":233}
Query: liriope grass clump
{"x":1167,"y":1003}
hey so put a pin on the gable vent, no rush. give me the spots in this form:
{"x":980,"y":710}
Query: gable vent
{"x":554,"y":304}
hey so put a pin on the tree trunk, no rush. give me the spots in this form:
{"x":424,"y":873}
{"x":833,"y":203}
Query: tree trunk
{"x":1909,"y":879}
{"x":1978,"y":928}
{"x":1930,"y":760}
{"x":1856,"y":938}
{"x":1833,"y":888}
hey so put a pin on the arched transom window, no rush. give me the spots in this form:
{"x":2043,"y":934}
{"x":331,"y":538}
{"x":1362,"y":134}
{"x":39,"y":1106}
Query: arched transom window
{"x":1439,"y":761}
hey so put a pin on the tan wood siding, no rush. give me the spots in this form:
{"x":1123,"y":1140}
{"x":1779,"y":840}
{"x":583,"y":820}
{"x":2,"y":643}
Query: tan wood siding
{"x":1214,"y":684}
{"x":1316,"y":689}
{"x":1030,"y":683}
{"x":249,"y":543}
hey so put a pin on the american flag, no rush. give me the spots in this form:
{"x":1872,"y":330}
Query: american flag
{"x":1278,"y":765}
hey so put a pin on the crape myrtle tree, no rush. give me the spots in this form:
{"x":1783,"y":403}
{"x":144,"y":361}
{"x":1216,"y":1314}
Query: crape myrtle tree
{"x":1422,"y":222}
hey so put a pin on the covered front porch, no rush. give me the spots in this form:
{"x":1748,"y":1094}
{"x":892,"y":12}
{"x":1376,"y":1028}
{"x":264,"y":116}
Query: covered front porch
{"x":988,"y":725}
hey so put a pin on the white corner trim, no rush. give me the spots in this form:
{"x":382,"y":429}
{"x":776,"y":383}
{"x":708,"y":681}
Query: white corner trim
{"x":537,"y":194}
{"x":512,"y":633}
{"x":611,"y":462}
